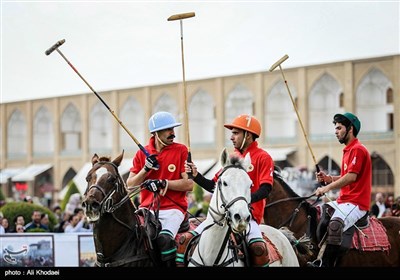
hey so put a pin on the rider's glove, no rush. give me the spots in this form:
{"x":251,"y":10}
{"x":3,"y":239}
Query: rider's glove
{"x":151,"y":163}
{"x":155,"y":185}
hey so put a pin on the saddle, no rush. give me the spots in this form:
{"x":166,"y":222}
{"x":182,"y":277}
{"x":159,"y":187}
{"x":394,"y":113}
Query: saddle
{"x":352,"y":238}
{"x":236,"y":242}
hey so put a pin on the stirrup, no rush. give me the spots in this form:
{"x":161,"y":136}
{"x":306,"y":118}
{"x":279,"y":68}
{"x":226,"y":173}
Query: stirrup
{"x":315,"y":263}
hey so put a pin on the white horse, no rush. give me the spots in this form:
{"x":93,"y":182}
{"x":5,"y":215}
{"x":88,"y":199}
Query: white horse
{"x":229,"y":212}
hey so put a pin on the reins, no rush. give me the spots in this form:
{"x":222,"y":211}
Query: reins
{"x":218,"y":219}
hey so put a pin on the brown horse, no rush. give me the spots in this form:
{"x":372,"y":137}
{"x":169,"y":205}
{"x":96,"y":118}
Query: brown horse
{"x":119,"y":237}
{"x":286,"y":208}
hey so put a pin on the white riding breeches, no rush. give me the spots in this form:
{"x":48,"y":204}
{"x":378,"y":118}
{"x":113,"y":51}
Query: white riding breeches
{"x":171,"y":220}
{"x":348,"y":212}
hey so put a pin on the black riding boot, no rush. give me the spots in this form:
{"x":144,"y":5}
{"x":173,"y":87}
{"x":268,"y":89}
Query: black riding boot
{"x":332,"y":250}
{"x":166,"y":244}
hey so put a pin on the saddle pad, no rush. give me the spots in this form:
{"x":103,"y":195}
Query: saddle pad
{"x":273,"y":252}
{"x":376,"y":239}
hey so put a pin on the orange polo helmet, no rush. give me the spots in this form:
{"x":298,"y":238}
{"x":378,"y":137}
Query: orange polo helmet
{"x":246,"y":122}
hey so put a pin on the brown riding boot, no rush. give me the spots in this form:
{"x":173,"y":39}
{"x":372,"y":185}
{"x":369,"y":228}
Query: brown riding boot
{"x":183,"y":242}
{"x":258,"y":253}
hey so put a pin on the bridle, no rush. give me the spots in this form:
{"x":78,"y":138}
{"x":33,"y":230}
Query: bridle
{"x":107,"y":204}
{"x":225,"y":205}
{"x":220,"y":219}
{"x":290,"y":220}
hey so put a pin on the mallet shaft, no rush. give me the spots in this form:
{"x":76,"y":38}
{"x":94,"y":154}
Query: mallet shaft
{"x":181,"y":16}
{"x":279,"y":62}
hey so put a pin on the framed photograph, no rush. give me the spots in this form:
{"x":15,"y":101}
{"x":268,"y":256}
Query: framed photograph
{"x":86,"y":251}
{"x":26,"y":250}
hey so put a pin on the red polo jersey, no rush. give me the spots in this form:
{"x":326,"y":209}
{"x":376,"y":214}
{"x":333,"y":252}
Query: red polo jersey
{"x":171,"y":160}
{"x":260,"y":172}
{"x":356,"y":159}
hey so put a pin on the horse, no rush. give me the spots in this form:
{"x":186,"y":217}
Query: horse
{"x":119,"y":238}
{"x":285,"y":208}
{"x":229,"y":215}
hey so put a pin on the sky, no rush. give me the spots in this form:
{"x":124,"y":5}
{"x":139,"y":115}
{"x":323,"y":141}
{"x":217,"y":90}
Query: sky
{"x":127,"y":44}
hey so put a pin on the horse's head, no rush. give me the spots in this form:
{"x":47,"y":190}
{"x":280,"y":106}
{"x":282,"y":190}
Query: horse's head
{"x":232,"y":195}
{"x":105,"y":191}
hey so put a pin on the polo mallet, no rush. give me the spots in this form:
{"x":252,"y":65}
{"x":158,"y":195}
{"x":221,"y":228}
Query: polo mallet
{"x":55,"y":48}
{"x":276,"y":64}
{"x":180,"y":17}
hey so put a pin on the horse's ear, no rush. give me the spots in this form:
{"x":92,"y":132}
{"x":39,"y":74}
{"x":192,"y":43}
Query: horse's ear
{"x":95,"y":159}
{"x":246,"y":161}
{"x":118,"y":159}
{"x":224,"y":159}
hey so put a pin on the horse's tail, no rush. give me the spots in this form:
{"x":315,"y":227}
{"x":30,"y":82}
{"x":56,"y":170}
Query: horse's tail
{"x":301,"y":246}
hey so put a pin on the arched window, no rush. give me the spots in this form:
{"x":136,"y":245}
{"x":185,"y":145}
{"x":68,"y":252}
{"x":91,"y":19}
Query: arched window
{"x":239,"y":101}
{"x":132,"y":115}
{"x":43,"y":134}
{"x":16,"y":135}
{"x":324,"y":103}
{"x":167,"y":103}
{"x":373,"y":102}
{"x":100,"y":130}
{"x":280,"y":113}
{"x":71,"y":130}
{"x":382,"y":175}
{"x":202,"y":119}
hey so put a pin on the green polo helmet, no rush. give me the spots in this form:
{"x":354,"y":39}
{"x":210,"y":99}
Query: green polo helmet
{"x":352,"y":119}
{"x":162,"y":120}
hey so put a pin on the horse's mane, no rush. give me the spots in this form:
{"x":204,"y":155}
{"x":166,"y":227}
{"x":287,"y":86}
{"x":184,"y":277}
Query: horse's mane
{"x":285,"y":185}
{"x":235,"y":160}
{"x":278,"y":176}
{"x":104,"y":158}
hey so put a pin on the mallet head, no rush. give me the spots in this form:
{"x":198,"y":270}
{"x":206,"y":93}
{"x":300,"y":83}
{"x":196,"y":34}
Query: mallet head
{"x":181,"y":16}
{"x":279,"y":62}
{"x":55,"y":46}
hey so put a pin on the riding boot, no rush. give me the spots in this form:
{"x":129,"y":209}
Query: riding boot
{"x":333,"y":242}
{"x":258,"y":252}
{"x":183,"y":242}
{"x":167,"y":246}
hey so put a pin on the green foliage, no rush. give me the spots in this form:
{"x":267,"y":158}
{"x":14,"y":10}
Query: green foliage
{"x":72,"y":188}
{"x":200,"y":203}
{"x":2,"y":197}
{"x":198,"y":193}
{"x":13,"y":209}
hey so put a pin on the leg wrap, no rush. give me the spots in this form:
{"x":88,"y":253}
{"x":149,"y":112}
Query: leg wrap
{"x":258,"y":252}
{"x":335,"y":231}
{"x":184,"y":240}
{"x":167,"y":246}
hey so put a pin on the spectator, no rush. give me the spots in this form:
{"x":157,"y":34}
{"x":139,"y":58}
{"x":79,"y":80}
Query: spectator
{"x":76,"y":224}
{"x":378,"y":208}
{"x":73,"y":202}
{"x":18,"y":220}
{"x":5,"y":224}
{"x":19,"y":229}
{"x":36,"y":222}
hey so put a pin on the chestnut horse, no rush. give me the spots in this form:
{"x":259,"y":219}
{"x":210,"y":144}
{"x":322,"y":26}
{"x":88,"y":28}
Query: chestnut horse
{"x":286,"y":208}
{"x":119,"y":238}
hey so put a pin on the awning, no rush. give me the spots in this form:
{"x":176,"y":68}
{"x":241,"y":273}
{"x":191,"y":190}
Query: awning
{"x":7,"y":173}
{"x":280,"y":154}
{"x":80,"y":177}
{"x":29,"y":173}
